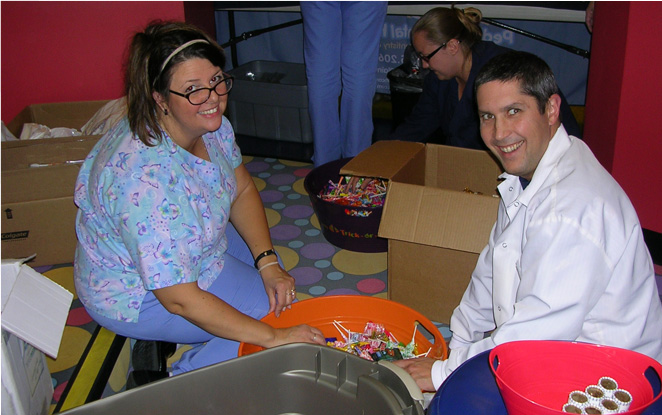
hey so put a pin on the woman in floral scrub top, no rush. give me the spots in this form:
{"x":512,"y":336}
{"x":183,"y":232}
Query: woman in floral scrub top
{"x":157,"y":258}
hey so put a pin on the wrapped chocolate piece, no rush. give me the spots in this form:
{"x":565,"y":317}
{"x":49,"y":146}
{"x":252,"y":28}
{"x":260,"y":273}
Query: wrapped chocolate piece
{"x":592,"y":410}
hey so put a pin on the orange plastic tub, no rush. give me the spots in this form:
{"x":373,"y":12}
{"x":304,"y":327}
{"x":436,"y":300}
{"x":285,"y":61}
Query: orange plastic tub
{"x":353,"y":312}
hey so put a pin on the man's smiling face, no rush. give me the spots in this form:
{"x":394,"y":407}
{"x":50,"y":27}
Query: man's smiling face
{"x":512,"y":126}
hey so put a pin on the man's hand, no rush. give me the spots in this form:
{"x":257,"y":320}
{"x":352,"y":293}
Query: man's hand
{"x":420,"y":369}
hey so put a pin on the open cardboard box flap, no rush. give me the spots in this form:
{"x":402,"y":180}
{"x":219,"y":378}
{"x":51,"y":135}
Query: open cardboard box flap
{"x":34,"y":314}
{"x":432,"y":196}
{"x":438,"y":217}
{"x":34,"y":308}
{"x":384,"y":159}
{"x":461,"y":169}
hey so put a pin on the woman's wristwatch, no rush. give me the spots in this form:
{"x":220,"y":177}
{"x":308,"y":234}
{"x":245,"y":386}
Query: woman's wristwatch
{"x":264,"y":254}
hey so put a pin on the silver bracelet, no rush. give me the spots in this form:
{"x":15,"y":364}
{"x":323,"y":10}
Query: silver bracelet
{"x":266,"y":265}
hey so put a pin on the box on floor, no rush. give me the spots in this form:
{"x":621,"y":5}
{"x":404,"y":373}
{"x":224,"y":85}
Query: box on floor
{"x":440,"y":207}
{"x":38,"y":179}
{"x":34,"y":313}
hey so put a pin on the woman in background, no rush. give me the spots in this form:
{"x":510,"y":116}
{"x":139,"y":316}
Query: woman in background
{"x":448,"y":42}
{"x":157,"y":257}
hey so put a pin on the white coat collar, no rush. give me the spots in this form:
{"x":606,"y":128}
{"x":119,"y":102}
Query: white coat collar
{"x":558,"y":145}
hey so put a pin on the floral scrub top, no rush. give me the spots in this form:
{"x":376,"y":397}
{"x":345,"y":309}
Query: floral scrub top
{"x":150,"y":217}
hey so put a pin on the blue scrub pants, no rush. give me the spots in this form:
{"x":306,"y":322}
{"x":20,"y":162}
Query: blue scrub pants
{"x":341,"y":52}
{"x":238,"y":285}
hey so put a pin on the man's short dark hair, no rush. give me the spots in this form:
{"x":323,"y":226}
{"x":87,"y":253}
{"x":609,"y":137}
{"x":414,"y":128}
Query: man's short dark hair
{"x":535,"y":76}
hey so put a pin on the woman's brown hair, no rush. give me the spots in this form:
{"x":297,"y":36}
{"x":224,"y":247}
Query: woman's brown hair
{"x":442,"y":24}
{"x":145,"y":71}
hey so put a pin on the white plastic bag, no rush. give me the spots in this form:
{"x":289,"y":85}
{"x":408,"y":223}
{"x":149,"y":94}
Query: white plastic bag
{"x":6,"y":134}
{"x":33,"y":131}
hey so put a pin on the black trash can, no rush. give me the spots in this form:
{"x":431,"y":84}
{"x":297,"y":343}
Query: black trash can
{"x":351,"y":228}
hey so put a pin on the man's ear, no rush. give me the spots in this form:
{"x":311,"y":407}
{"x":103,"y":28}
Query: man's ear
{"x":553,"y":109}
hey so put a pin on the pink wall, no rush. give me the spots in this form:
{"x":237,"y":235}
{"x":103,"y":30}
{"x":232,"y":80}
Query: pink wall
{"x":74,"y":51}
{"x":623,"y":125}
{"x":69,"y":51}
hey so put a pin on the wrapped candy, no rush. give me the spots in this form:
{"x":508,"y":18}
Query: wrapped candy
{"x":366,"y":193}
{"x":374,"y":343}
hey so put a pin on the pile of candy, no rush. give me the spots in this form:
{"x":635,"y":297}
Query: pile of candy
{"x":366,"y":192}
{"x":374,"y":343}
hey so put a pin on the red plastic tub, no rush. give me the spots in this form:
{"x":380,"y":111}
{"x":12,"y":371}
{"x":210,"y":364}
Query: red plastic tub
{"x":351,"y":228}
{"x":536,"y":377}
{"x":353,"y":312}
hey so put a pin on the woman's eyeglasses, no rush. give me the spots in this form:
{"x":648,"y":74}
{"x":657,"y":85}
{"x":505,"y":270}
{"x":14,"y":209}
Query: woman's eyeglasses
{"x":201,"y":95}
{"x":427,"y":58}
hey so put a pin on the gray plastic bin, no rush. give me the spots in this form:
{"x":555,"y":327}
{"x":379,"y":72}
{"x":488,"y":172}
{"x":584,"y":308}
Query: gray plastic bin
{"x":270,"y":100}
{"x":291,"y":379}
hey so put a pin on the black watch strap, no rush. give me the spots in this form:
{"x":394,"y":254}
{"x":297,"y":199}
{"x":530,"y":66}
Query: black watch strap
{"x":263,"y":254}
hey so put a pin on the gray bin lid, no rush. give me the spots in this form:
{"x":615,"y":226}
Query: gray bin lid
{"x":290,"y":379}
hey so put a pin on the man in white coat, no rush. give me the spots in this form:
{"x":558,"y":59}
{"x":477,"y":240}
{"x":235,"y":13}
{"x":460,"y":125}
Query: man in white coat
{"x":566,"y":259}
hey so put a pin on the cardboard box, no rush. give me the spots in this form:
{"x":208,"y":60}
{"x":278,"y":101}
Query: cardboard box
{"x":38,"y":179}
{"x":436,"y":229}
{"x":52,"y":115}
{"x":47,"y":152}
{"x":24,"y":153}
{"x":34,"y":313}
{"x":39,"y":214}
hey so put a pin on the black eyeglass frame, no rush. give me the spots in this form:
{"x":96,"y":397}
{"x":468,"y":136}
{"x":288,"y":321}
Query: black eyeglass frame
{"x":429,"y":56}
{"x":226,"y":79}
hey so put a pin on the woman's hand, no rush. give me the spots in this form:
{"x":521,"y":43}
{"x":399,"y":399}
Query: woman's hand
{"x":221,"y":319}
{"x":298,"y":334}
{"x":420,"y":369}
{"x":279,"y":286}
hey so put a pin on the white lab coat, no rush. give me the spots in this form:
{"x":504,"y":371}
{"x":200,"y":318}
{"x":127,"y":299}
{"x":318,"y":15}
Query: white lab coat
{"x":566,"y":260}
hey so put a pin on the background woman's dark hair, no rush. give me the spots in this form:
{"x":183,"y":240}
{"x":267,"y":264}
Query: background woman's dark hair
{"x":442,"y":24}
{"x":535,"y":76}
{"x":143,"y":74}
